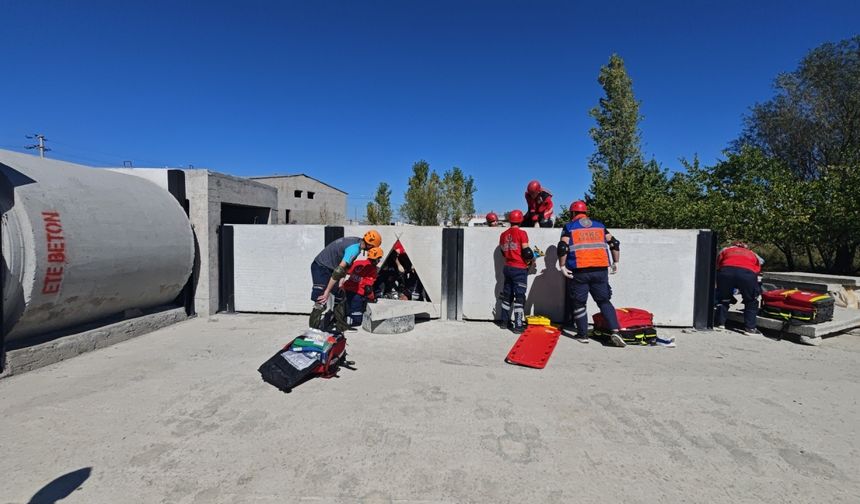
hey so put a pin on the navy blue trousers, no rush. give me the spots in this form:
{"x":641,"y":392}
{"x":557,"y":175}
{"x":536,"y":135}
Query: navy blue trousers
{"x":744,"y":280}
{"x":595,"y":282}
{"x":513,"y":293}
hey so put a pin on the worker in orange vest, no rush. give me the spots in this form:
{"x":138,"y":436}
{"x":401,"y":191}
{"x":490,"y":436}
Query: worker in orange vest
{"x":738,"y":268}
{"x":584,"y":257}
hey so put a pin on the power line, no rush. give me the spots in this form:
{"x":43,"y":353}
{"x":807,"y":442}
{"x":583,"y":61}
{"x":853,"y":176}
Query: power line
{"x":40,"y":145}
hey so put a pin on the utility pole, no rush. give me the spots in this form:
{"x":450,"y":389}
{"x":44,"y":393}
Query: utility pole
{"x":40,"y":145}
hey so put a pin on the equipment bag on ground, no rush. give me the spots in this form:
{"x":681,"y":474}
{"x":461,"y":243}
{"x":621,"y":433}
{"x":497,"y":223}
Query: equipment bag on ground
{"x":798,"y":306}
{"x":636,"y":326}
{"x":315,"y":353}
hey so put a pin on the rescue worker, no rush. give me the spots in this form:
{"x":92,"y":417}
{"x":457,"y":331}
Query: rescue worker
{"x":492,"y":219}
{"x":358,"y":285}
{"x":329,"y":267}
{"x":539,"y":202}
{"x":514,"y":244}
{"x":738,"y":268}
{"x":584,"y":257}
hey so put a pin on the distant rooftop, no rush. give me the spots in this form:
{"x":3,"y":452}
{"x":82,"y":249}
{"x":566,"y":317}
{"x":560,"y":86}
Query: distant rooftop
{"x":300,"y":175}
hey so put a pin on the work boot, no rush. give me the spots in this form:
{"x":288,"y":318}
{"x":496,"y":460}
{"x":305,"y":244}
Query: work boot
{"x":316,"y":317}
{"x":582,"y":338}
{"x":519,"y":323}
{"x":617,"y":340}
{"x":751,"y":331}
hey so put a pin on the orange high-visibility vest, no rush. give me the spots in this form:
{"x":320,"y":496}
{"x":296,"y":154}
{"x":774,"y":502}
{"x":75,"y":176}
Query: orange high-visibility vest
{"x":588,"y":247}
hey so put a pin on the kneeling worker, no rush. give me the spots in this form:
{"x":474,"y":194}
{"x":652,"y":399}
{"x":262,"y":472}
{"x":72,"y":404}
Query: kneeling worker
{"x":514,"y":244}
{"x":329,"y":267}
{"x":738,"y":267}
{"x":584,"y":259}
{"x":358,"y":285}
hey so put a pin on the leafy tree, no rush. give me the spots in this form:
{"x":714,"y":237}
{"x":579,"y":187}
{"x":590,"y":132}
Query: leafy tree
{"x":812,"y":126}
{"x":423,"y":200}
{"x":625,"y":190}
{"x":379,"y":210}
{"x":616,"y":135}
{"x":458,"y":201}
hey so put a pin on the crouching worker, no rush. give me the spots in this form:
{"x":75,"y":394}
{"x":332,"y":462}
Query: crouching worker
{"x":514,"y":244}
{"x":329,"y":267}
{"x":583,"y":255}
{"x":738,"y":268}
{"x":358,"y":286}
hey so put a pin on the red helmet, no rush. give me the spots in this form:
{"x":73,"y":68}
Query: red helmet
{"x":578,"y":207}
{"x":515,"y":217}
{"x":533,"y":188}
{"x":492,"y":217}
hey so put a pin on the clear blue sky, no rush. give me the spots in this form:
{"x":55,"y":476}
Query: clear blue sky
{"x":353,"y":92}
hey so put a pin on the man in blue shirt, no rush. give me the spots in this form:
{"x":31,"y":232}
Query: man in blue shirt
{"x":329,"y":267}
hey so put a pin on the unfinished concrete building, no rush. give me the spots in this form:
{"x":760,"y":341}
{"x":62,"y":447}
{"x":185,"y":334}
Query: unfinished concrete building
{"x":306,"y":200}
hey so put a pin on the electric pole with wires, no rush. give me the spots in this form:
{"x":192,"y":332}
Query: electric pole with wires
{"x":40,"y":145}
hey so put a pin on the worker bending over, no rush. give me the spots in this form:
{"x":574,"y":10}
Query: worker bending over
{"x":329,"y":267}
{"x":738,"y":268}
{"x":585,"y":260}
{"x":514,"y":244}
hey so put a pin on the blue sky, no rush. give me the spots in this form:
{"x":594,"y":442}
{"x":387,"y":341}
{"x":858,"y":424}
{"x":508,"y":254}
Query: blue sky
{"x":354,"y":92}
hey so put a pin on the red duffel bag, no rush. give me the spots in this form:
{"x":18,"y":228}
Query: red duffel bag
{"x":636,"y":326}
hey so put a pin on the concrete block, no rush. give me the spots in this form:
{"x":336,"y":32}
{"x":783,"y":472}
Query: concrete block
{"x":656,"y":272}
{"x":424,"y":246}
{"x":272,"y":267}
{"x":843,"y":320}
{"x":393,"y":325}
{"x":390,"y":308}
{"x":43,"y":354}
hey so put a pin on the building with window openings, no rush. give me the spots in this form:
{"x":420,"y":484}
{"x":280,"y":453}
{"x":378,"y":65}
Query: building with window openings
{"x":306,"y":200}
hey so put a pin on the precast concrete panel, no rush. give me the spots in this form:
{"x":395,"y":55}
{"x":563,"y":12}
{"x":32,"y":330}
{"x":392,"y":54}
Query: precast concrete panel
{"x":80,"y":244}
{"x":423,"y":244}
{"x":656,"y":272}
{"x":272,"y":267}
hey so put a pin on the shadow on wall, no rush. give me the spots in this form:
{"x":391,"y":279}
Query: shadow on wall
{"x":61,"y":487}
{"x":543,"y":295}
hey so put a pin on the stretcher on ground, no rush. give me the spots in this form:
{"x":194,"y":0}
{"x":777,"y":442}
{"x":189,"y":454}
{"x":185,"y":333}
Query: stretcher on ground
{"x":534,"y":346}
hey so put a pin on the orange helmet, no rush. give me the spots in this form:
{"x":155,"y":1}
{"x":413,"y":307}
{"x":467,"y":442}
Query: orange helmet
{"x":373,"y":238}
{"x":516,"y":217}
{"x":533,"y":188}
{"x":492,"y":217}
{"x":374,"y":253}
{"x":578,"y":207}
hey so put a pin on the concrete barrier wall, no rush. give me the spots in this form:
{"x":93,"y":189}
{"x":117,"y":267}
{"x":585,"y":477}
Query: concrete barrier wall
{"x":424,"y":246}
{"x":272,"y":267}
{"x":656,"y":272}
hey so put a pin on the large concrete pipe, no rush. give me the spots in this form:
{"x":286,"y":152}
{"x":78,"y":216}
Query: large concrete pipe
{"x":80,"y":244}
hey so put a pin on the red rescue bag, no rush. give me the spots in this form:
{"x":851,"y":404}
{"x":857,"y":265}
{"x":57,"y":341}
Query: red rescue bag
{"x":636,"y":326}
{"x":797,"y":306}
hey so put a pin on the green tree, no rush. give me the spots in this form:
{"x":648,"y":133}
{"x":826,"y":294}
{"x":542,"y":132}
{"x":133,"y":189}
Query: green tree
{"x":616,"y":135}
{"x":625,"y":190}
{"x":423,"y":199}
{"x":812,"y":126}
{"x":379,"y":210}
{"x":458,"y":201}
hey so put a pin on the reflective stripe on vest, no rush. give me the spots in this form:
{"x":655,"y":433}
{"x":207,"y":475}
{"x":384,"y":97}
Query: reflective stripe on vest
{"x":589,"y":247}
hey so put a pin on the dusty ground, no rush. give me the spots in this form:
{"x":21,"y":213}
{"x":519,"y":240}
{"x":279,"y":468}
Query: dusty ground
{"x":181,"y":416}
